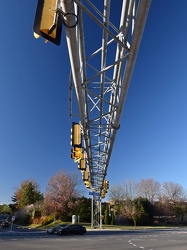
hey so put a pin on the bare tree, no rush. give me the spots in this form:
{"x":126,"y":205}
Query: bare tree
{"x":130,"y":189}
{"x":172,"y":192}
{"x":116,"y":195}
{"x":116,"y":192}
{"x":149,"y":189}
{"x":123,"y":194}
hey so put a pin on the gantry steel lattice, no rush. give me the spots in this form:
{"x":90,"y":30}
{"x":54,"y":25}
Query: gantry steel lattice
{"x":103,"y":40}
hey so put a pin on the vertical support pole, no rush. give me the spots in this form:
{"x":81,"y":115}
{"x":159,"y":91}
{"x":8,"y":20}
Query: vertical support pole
{"x":101,"y":226}
{"x":96,"y":213}
{"x":92,"y":213}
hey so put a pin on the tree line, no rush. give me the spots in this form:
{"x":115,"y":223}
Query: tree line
{"x":140,"y":203}
{"x":148,"y":202}
{"x":61,"y":199}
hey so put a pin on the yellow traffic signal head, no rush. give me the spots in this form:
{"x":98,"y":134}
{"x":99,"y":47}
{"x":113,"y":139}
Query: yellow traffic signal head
{"x":85,"y":175}
{"x":106,"y":184}
{"x":82,"y":164}
{"x":48,"y":21}
{"x":87,"y":183}
{"x":103,"y":194}
{"x":76,"y":154}
{"x":76,"y":134}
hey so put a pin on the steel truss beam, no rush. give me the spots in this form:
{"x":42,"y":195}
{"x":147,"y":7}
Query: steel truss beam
{"x":102,"y":70}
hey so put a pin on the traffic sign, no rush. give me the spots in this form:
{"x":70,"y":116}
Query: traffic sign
{"x":94,"y":194}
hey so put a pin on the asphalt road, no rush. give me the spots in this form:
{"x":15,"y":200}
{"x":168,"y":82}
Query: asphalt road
{"x":95,"y":239}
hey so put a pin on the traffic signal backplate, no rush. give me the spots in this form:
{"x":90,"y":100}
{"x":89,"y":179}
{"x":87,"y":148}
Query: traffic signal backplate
{"x":57,"y":29}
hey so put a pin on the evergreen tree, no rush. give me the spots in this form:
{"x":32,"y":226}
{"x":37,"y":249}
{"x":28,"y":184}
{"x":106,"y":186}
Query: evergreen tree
{"x":107,"y":217}
{"x":137,"y":211}
{"x":27,"y":194}
{"x":83,"y":209}
{"x":5,"y":209}
{"x":112,"y":218}
{"x":142,"y":211}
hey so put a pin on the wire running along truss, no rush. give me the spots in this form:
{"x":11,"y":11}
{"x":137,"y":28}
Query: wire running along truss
{"x":103,"y":39}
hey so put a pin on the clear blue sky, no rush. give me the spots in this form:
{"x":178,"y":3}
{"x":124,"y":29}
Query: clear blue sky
{"x":34,"y":122}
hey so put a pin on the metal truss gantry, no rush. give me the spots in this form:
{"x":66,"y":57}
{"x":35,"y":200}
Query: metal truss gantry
{"x":103,"y":39}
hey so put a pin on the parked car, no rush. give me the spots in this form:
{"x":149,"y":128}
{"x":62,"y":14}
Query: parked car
{"x":54,"y":230}
{"x":72,"y":229}
{"x":4,"y":224}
